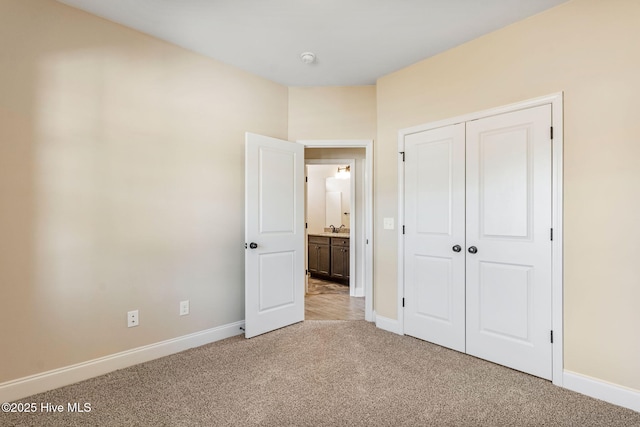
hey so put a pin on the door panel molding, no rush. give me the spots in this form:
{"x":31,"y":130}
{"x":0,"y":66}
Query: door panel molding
{"x":556,"y":103}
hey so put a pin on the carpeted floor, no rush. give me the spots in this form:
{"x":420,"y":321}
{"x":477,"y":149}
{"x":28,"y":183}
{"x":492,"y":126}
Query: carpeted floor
{"x":322,"y":373}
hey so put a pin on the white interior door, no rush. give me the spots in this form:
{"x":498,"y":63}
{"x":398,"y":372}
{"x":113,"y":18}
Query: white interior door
{"x":435,"y":236}
{"x":508,"y":240}
{"x":274,"y":234}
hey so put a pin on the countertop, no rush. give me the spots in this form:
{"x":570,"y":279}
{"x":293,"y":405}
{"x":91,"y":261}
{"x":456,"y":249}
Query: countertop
{"x":330,"y":234}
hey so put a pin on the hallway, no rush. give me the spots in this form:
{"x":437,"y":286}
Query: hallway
{"x":331,"y":301}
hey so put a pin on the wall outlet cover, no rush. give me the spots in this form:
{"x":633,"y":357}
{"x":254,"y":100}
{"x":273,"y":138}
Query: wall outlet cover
{"x":132,"y":319}
{"x":184,"y":307}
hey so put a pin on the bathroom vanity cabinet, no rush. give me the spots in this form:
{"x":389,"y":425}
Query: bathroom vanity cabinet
{"x":329,"y":257}
{"x":319,"y":263}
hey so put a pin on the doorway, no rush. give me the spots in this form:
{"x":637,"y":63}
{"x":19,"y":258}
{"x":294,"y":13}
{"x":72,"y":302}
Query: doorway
{"x":353,"y":254}
{"x":334,"y":289}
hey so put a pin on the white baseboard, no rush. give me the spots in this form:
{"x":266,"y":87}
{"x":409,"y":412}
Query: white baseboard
{"x":38,"y":383}
{"x":391,"y":325}
{"x":612,"y":393}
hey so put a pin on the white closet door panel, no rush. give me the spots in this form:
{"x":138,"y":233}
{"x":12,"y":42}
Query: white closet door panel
{"x":434,"y":297}
{"x":504,"y":184}
{"x":434,"y":223}
{"x":508,"y":204}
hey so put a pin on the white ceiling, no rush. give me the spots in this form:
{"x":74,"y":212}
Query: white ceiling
{"x":356,"y":41}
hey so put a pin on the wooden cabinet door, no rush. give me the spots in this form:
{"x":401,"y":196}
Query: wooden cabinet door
{"x":340,"y":258}
{"x":324,"y":262}
{"x":313,"y":258}
{"x":346,"y":262}
{"x":337,"y":262}
{"x":319,"y":255}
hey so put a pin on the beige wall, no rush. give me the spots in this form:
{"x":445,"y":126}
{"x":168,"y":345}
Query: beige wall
{"x":343,"y":112}
{"x":589,"y":50}
{"x":121,"y":186}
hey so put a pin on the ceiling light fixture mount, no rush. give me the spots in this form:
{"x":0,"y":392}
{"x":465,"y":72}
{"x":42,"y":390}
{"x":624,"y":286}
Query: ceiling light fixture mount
{"x":308,"y":57}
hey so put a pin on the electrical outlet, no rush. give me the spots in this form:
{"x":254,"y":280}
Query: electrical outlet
{"x":184,"y":308}
{"x":132,"y":319}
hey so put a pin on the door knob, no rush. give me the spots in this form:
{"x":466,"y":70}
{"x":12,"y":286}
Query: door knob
{"x":456,"y":248}
{"x":473,"y":250}
{"x":253,"y":245}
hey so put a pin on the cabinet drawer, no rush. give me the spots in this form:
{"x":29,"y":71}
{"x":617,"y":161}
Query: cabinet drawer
{"x":337,"y":241}
{"x":319,"y":240}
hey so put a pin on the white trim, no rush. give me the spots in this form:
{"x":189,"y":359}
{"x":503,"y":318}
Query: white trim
{"x":535,"y":102}
{"x":38,"y":383}
{"x":400,"y":298}
{"x":367,"y":144}
{"x":557,"y":260}
{"x":557,"y":285}
{"x":390,"y":325}
{"x":612,"y":393}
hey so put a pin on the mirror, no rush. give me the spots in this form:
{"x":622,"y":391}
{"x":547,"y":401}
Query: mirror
{"x":333,"y":208}
{"x":337,"y":201}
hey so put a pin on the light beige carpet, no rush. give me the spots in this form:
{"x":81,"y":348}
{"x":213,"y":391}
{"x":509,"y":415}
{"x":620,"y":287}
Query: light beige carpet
{"x":322,"y":373}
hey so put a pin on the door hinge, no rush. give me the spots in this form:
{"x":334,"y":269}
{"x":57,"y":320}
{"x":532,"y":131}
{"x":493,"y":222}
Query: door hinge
{"x":306,"y":179}
{"x":403,"y":229}
{"x":551,"y":234}
{"x":306,"y":225}
{"x":402,"y":152}
{"x":551,"y":132}
{"x":551,"y":337}
{"x":403,"y":302}
{"x":367,"y":241}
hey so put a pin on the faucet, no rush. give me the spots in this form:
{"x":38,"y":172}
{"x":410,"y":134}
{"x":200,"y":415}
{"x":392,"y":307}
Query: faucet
{"x":333,"y":228}
{"x":341,"y":227}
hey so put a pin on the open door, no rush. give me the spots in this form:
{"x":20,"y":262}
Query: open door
{"x":274,"y":234}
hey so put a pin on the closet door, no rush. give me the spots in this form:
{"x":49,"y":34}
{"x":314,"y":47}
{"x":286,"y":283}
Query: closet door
{"x":508,"y":274}
{"x":434,"y":236}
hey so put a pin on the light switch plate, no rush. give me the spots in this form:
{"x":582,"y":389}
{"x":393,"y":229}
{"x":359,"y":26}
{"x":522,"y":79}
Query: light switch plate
{"x":388,"y":224}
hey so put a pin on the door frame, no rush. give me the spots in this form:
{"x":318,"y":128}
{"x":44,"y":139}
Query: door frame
{"x":367,"y":237}
{"x":557,"y":319}
{"x":354,"y":205}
